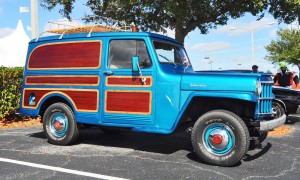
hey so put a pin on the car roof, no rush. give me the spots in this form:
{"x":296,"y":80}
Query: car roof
{"x":105,"y":34}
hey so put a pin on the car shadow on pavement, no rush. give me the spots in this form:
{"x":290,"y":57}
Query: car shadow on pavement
{"x":155,"y":143}
{"x":262,"y":150}
{"x":192,"y":156}
{"x":40,"y":135}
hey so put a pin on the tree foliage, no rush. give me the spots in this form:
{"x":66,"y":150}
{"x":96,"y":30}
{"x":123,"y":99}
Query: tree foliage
{"x":286,"y":11}
{"x":286,"y":47}
{"x":67,"y":6}
{"x":183,"y":16}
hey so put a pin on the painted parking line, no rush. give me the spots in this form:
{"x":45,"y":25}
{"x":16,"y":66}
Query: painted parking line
{"x":53,"y":168}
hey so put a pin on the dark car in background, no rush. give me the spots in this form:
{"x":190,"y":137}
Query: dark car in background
{"x":286,"y":101}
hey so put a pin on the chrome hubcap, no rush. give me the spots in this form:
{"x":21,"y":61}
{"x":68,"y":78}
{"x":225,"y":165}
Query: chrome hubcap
{"x":58,"y":125}
{"x":218,"y":139}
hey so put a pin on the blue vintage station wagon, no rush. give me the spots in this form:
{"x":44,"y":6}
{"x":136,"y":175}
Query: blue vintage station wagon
{"x":144,"y":82}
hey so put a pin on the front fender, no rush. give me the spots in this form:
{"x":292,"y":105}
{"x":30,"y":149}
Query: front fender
{"x":187,"y":96}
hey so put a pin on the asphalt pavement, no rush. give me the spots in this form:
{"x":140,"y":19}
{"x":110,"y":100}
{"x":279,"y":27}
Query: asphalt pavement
{"x":26,"y":154}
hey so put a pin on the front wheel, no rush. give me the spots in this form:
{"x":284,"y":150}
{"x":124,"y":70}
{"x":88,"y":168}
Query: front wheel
{"x":277,"y":109}
{"x":59,"y":124}
{"x":220,"y":137}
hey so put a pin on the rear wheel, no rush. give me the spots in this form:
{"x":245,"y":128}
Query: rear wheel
{"x":220,"y":137}
{"x":59,"y":124}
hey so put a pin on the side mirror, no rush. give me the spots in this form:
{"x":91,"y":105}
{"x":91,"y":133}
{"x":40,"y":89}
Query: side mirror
{"x":136,"y":68}
{"x":135,"y":63}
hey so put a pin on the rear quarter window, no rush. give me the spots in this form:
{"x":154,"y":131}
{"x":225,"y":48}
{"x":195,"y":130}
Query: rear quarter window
{"x":66,"y":55}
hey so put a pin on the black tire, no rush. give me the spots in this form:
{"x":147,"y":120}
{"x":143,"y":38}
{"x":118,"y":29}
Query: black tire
{"x":277,"y":109}
{"x":206,"y":135}
{"x":59,"y":124}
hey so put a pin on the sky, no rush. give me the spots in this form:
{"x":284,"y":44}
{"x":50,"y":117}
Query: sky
{"x":227,"y":47}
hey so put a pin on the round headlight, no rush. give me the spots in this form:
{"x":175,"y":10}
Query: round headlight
{"x":258,"y":88}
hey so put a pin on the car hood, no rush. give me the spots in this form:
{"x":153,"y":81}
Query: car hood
{"x":219,"y":81}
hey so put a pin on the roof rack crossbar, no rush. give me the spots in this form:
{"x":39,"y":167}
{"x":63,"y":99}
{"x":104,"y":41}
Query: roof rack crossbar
{"x":37,"y":38}
{"x":107,"y":25}
{"x":90,"y":32}
{"x":61,"y":36}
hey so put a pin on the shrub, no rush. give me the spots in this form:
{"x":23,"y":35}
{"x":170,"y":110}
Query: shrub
{"x":10,"y":89}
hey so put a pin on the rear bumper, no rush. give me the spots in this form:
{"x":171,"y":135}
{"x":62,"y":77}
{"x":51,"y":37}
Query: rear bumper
{"x":271,"y":124}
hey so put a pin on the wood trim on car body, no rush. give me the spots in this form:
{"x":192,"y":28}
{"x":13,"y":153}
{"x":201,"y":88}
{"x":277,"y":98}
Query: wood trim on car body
{"x":63,"y":80}
{"x":83,"y":100}
{"x":54,"y":56}
{"x":128,"y":102}
{"x":128,"y":81}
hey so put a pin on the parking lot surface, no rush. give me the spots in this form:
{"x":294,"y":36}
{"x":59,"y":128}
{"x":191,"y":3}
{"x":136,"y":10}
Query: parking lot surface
{"x":26,"y":154}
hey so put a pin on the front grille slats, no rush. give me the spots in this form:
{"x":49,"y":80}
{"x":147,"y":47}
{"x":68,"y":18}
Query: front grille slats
{"x":264,"y":105}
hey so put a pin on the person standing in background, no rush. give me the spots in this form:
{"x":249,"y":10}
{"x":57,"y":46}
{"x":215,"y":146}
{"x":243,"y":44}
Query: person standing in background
{"x":255,"y":68}
{"x":284,"y":77}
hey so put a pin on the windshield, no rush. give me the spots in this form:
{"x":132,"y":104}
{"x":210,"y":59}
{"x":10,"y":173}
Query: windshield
{"x":170,"y":53}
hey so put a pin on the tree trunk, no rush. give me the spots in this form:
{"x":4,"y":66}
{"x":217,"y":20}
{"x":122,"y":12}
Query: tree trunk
{"x":178,"y":36}
{"x":180,"y":33}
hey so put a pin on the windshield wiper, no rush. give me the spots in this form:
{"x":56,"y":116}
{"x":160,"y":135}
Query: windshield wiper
{"x":166,"y":59}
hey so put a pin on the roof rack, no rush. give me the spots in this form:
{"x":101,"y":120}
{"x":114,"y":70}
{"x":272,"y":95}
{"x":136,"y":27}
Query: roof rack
{"x":105,"y":25}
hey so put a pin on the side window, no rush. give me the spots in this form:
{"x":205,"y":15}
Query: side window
{"x":122,"y":51}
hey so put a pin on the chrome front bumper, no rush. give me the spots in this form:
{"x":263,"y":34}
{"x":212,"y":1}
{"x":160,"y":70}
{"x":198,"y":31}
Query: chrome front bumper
{"x":271,"y":124}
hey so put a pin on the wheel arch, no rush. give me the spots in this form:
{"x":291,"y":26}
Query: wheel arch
{"x":199,"y":105}
{"x":54,"y":98}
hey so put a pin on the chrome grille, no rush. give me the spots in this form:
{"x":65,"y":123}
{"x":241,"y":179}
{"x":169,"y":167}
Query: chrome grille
{"x":264,"y":105}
